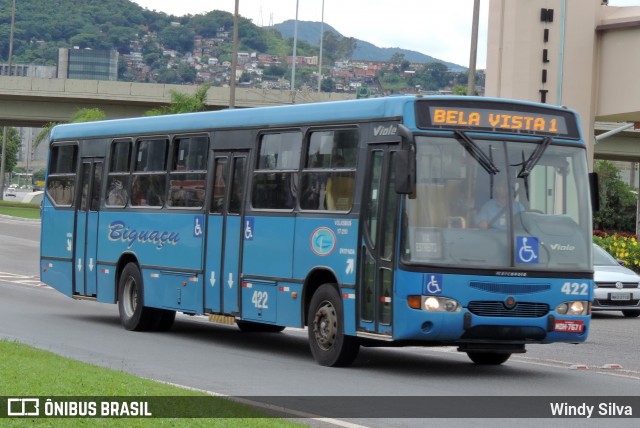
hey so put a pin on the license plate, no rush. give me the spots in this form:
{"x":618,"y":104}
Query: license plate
{"x":569,"y":326}
{"x":620,"y":296}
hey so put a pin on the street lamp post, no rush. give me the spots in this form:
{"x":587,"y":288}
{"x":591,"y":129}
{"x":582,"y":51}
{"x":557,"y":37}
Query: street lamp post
{"x":3,"y":161}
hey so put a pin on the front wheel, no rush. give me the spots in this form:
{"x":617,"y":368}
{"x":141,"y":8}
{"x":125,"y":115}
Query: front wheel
{"x":133,"y":314}
{"x":488,"y":358}
{"x":328,"y":343}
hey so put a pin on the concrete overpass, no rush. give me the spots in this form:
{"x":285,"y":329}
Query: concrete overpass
{"x":33,"y":102}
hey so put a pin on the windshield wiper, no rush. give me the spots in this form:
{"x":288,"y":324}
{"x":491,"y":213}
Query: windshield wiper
{"x":472,"y":148}
{"x":529,"y":164}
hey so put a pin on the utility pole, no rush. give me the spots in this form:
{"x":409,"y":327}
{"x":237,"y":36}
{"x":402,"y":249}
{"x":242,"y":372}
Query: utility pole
{"x":295,"y":48}
{"x":471,"y":87}
{"x":3,"y":162}
{"x":234,"y":58}
{"x":321,"y":37}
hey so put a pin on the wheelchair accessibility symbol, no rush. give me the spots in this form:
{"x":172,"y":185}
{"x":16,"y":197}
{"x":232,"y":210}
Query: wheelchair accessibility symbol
{"x":248,"y":228}
{"x":432,"y":283}
{"x":527,"y":249}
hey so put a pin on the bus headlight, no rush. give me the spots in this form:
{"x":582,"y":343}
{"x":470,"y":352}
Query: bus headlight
{"x":439,"y":304}
{"x":576,"y":307}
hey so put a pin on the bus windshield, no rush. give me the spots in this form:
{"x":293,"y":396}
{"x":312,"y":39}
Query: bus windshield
{"x":459,"y":215}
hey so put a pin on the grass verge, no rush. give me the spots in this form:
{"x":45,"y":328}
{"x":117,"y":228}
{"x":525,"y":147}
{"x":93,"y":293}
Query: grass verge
{"x":29,"y":372}
{"x":20,"y":209}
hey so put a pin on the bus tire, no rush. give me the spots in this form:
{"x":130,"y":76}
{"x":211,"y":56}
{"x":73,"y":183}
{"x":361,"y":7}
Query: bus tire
{"x":256,"y":327}
{"x":489,"y":358}
{"x":134,"y":316}
{"x":164,"y":319}
{"x":329,"y":345}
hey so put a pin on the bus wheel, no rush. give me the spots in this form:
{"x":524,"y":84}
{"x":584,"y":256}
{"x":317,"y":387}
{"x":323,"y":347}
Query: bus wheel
{"x":256,"y":327}
{"x":133,"y":314}
{"x":329,"y":345}
{"x":488,"y":358}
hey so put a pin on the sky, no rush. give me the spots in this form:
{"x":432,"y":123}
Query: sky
{"x":439,"y":28}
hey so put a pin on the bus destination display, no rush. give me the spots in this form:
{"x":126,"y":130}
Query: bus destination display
{"x":494,"y":119}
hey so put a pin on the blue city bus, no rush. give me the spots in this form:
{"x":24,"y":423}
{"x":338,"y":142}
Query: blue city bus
{"x":372,"y":222}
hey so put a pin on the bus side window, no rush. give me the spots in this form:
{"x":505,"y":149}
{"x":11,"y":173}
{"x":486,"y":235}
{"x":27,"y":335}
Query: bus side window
{"x":63,"y":167}
{"x":219,"y":185}
{"x":329,"y":175}
{"x":275,"y":180}
{"x":118,"y":174}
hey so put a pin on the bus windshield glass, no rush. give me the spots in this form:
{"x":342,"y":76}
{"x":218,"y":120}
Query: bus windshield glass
{"x":460,"y":214}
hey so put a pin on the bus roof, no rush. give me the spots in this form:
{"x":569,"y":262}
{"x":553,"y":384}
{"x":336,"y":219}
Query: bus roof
{"x":259,"y":116}
{"x":332,"y":111}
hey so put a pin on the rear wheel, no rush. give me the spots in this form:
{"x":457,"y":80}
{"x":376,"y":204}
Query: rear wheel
{"x":329,"y":345}
{"x":631,"y":313}
{"x":488,"y":358}
{"x":133,"y":314}
{"x":255,"y":327}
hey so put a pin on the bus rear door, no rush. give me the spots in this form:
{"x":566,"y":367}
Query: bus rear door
{"x":85,"y":236}
{"x":377,"y":249}
{"x":225,"y":233}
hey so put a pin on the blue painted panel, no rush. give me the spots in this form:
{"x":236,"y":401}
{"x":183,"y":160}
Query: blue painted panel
{"x":57,"y":274}
{"x":172,"y":290}
{"x":259,"y":302}
{"x":326,"y":242}
{"x":213,"y":273}
{"x":106,"y":283}
{"x":157,"y":239}
{"x":79,"y":262}
{"x":57,"y":232}
{"x":269,"y":249}
{"x":91,"y":256}
{"x":230,"y":278}
{"x":290,"y":304}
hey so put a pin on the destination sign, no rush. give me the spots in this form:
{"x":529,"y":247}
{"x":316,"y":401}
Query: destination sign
{"x":524,"y":120}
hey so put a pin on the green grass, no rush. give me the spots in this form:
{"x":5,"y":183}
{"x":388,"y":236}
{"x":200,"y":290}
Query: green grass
{"x":19,"y":209}
{"x":29,"y":372}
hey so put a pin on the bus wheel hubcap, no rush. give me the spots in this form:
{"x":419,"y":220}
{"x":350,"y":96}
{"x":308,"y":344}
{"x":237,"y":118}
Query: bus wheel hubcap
{"x":325,"y":326}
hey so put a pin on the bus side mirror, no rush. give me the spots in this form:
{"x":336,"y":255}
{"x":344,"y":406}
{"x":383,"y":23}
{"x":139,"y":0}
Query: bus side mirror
{"x":405,"y":172}
{"x":595,"y":192}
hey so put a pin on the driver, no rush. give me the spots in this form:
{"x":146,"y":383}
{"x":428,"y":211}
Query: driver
{"x":493,"y":212}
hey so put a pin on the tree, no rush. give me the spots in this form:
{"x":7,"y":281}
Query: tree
{"x":81,"y":115}
{"x":13,"y":145}
{"x":184,"y":103}
{"x":617,"y":200}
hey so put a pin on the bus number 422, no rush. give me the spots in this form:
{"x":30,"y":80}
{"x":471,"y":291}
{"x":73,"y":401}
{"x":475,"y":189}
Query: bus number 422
{"x":259,"y":299}
{"x":573,"y":288}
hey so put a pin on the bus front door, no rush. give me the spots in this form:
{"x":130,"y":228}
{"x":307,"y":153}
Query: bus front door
{"x":86,"y":231}
{"x":225,"y":233}
{"x":377,"y":249}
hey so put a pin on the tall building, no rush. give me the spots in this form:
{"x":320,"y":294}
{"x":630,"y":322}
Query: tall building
{"x":87,"y":64}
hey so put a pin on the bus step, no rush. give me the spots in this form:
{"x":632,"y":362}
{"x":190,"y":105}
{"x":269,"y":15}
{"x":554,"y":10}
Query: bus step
{"x":222,"y":319}
{"x":79,"y":297}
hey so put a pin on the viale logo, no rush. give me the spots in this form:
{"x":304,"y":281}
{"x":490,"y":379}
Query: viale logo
{"x":385,"y":130}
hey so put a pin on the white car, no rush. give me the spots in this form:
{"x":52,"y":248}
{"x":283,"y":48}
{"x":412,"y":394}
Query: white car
{"x":11,"y":191}
{"x":617,"y":288}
